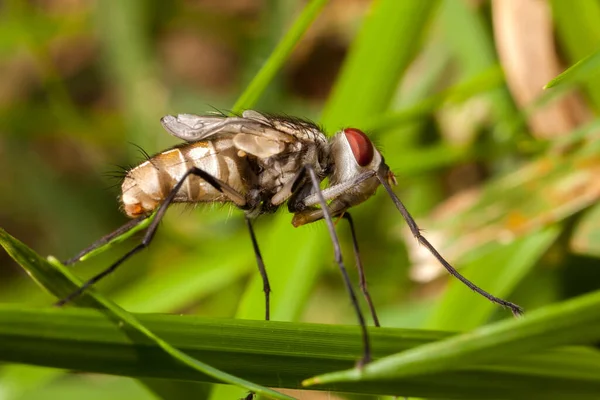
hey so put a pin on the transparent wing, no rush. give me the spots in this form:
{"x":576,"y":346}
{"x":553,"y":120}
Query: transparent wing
{"x":254,"y":133}
{"x":193,"y":128}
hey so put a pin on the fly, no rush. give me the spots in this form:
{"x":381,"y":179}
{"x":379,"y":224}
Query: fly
{"x":258,"y":162}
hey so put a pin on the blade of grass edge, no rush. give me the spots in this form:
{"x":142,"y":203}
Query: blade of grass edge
{"x":276,"y":354}
{"x":55,"y":278}
{"x":582,"y":69}
{"x":119,"y":239}
{"x":569,"y":322}
{"x":280,"y":54}
{"x":384,"y":47}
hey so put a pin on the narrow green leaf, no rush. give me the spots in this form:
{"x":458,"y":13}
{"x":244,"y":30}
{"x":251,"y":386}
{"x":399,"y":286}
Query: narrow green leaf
{"x":277,"y":354}
{"x":578,"y":72}
{"x":466,"y":32}
{"x":385,"y":45}
{"x":123,"y":31}
{"x":488,"y":80}
{"x":281,"y":53}
{"x":578,"y":33}
{"x":586,"y":235}
{"x":120,"y":238}
{"x":60,"y":282}
{"x":42,"y":272}
{"x":18,"y":380}
{"x":570,"y":322}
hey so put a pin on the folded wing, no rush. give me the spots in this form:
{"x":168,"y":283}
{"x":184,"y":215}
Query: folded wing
{"x":252,"y":133}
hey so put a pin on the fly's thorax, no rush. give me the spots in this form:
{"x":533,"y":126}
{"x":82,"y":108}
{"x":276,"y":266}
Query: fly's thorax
{"x":282,"y":168}
{"x":148,"y":184}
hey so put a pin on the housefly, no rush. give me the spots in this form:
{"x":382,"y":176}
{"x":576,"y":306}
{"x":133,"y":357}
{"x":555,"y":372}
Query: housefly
{"x":258,"y":162}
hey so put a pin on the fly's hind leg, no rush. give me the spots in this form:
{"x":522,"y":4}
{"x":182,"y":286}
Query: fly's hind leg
{"x":219,"y":185}
{"x":106,"y":239}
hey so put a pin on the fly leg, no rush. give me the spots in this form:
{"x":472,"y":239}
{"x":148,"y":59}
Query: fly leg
{"x":151,"y":230}
{"x":301,"y":201}
{"x":261,"y":268}
{"x":338,"y":258}
{"x":416,"y":231}
{"x":361,"y":271}
{"x":106,"y":239}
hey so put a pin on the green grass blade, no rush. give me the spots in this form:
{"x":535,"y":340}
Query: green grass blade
{"x":19,"y":380}
{"x":281,"y":53}
{"x":578,"y":72}
{"x":586,"y":234}
{"x":466,"y":32}
{"x":275,"y":354}
{"x":386,"y":43}
{"x":119,"y":239}
{"x":122,"y":30}
{"x":488,"y":80}
{"x":60,"y":282}
{"x":43,"y":273}
{"x":571,"y":322}
{"x":578,"y":32}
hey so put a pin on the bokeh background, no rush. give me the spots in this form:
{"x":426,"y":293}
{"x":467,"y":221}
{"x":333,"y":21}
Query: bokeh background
{"x":501,"y":174}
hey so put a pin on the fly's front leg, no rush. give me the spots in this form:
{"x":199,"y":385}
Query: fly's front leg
{"x":151,"y":230}
{"x":344,"y":195}
{"x":314,"y":181}
{"x":361,"y":271}
{"x":416,"y":231}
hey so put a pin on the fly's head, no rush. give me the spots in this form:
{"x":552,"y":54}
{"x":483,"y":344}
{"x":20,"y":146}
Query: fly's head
{"x":357,"y":160}
{"x":358,"y":168}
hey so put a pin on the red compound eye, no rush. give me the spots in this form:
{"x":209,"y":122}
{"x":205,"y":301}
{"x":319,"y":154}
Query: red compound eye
{"x":361,"y":146}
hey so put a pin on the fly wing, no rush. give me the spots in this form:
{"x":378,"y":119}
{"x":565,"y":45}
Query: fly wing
{"x":252,"y":133}
{"x":193,"y":128}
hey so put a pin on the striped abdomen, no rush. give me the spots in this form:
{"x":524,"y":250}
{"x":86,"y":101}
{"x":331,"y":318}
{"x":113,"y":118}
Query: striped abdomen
{"x":148,"y":184}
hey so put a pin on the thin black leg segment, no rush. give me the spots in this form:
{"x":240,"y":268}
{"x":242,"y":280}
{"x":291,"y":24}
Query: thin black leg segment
{"x":361,"y":270}
{"x":416,"y":231}
{"x":261,"y":269}
{"x":150,"y":231}
{"x":106,"y":239}
{"x":338,"y":258}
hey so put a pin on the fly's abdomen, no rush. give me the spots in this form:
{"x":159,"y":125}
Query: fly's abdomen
{"x":148,"y":184}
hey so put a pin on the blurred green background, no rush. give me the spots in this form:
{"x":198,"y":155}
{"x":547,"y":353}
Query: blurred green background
{"x":501,"y":175}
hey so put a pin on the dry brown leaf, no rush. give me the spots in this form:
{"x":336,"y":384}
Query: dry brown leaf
{"x":539,"y":194}
{"x":524,"y":36}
